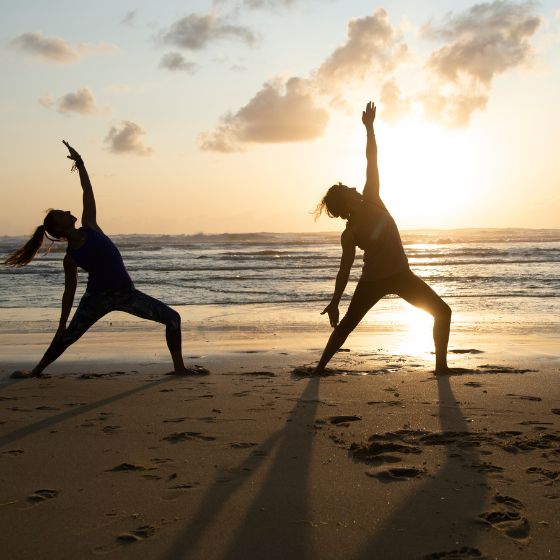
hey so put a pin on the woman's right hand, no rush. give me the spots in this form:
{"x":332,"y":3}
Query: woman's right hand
{"x":334,"y":314}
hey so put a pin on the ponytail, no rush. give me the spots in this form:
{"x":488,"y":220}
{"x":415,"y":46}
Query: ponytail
{"x":25,"y":254}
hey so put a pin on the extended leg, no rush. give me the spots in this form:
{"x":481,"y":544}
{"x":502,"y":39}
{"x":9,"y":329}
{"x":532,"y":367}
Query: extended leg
{"x":90,"y":309}
{"x":144,"y":306}
{"x":366,"y":295}
{"x":416,"y":292}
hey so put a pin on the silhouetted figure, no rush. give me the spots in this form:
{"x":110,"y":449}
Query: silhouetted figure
{"x":109,"y":286}
{"x":370,"y":227}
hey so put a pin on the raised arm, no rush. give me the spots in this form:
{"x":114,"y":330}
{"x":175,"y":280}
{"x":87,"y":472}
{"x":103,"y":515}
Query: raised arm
{"x":371,"y":188}
{"x":89,"y":212}
{"x":348,"y":255}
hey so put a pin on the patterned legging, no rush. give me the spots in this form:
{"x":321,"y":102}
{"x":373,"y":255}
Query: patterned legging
{"x":93,"y":306}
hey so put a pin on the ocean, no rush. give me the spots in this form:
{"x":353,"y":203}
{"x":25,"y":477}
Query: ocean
{"x":498,"y":275}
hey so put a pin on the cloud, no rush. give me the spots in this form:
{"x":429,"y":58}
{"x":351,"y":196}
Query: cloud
{"x":46,"y":100}
{"x":127,"y":138}
{"x":453,"y":109}
{"x":176,"y":62}
{"x":129,"y":17}
{"x":195,"y":32}
{"x":372,"y":45}
{"x":277,"y":113}
{"x":484,"y":41}
{"x":82,"y":102}
{"x":394,"y":104}
{"x":56,"y":49}
{"x":290,"y":111}
{"x":268,"y":3}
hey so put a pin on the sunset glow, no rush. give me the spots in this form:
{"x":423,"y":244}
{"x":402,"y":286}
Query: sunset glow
{"x":226,"y":131}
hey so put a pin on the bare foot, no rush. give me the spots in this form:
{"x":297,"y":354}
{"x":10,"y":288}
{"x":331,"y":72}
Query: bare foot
{"x":308,"y":371}
{"x":453,"y":371}
{"x":26,"y":374}
{"x":193,"y":370}
{"x":21,"y":374}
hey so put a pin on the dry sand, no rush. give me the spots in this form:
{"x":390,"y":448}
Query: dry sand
{"x":381,"y":460}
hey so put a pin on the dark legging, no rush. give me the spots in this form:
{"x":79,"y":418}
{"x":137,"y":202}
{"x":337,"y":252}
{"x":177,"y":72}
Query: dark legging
{"x":406,"y":285}
{"x":93,"y":306}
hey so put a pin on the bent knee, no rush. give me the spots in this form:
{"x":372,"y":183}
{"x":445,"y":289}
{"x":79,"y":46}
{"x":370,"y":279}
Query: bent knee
{"x":173,"y":319}
{"x":444,"y":313}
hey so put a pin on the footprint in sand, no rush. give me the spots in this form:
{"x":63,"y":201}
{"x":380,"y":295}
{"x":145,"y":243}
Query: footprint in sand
{"x":524,"y":397}
{"x":242,"y":444}
{"x":388,"y":403}
{"x":343,"y":420}
{"x":136,"y":535}
{"x":542,"y":441}
{"x":109,"y":429}
{"x":490,"y":368}
{"x":127,"y":467}
{"x":92,"y":375}
{"x":177,"y":437}
{"x":546,"y":475}
{"x":397,"y":474}
{"x":466,"y":351}
{"x":177,"y":490}
{"x":42,"y":495}
{"x":485,"y":467}
{"x":381,"y":452}
{"x":258,"y":373}
{"x":507,"y":518}
{"x":13,"y":452}
{"x":463,"y":553}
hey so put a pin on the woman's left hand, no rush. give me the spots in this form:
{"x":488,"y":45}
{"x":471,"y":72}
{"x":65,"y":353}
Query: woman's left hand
{"x":74,"y":155}
{"x":368,"y":116}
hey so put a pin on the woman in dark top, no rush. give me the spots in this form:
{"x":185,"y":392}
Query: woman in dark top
{"x":109,"y":286}
{"x":370,"y":227}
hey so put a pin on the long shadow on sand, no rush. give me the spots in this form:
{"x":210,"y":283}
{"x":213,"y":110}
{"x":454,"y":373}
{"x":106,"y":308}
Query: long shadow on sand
{"x":440,"y":516}
{"x":282,"y":498}
{"x":73,"y":412}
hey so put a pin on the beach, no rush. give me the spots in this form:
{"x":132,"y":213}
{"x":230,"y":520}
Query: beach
{"x":380,"y":459}
{"x":109,"y":456}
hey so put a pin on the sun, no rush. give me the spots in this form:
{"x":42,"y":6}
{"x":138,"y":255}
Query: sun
{"x":426,"y":171}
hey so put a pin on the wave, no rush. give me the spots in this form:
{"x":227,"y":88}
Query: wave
{"x":424,"y":236}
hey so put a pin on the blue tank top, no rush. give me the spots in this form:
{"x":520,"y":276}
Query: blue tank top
{"x":102,"y":260}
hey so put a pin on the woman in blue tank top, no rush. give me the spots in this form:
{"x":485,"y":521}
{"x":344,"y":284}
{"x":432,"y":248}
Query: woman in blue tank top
{"x":371,"y":228}
{"x":109,"y":286}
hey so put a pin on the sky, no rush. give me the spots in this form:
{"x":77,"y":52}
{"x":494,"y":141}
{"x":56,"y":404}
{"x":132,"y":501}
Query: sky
{"x":237,"y":115}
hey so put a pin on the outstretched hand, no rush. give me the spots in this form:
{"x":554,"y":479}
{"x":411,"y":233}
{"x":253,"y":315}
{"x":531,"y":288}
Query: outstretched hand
{"x":368,"y":116}
{"x":74,"y":155}
{"x":333,"y":313}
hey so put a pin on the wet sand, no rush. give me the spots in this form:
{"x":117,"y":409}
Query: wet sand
{"x":381,"y":459}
